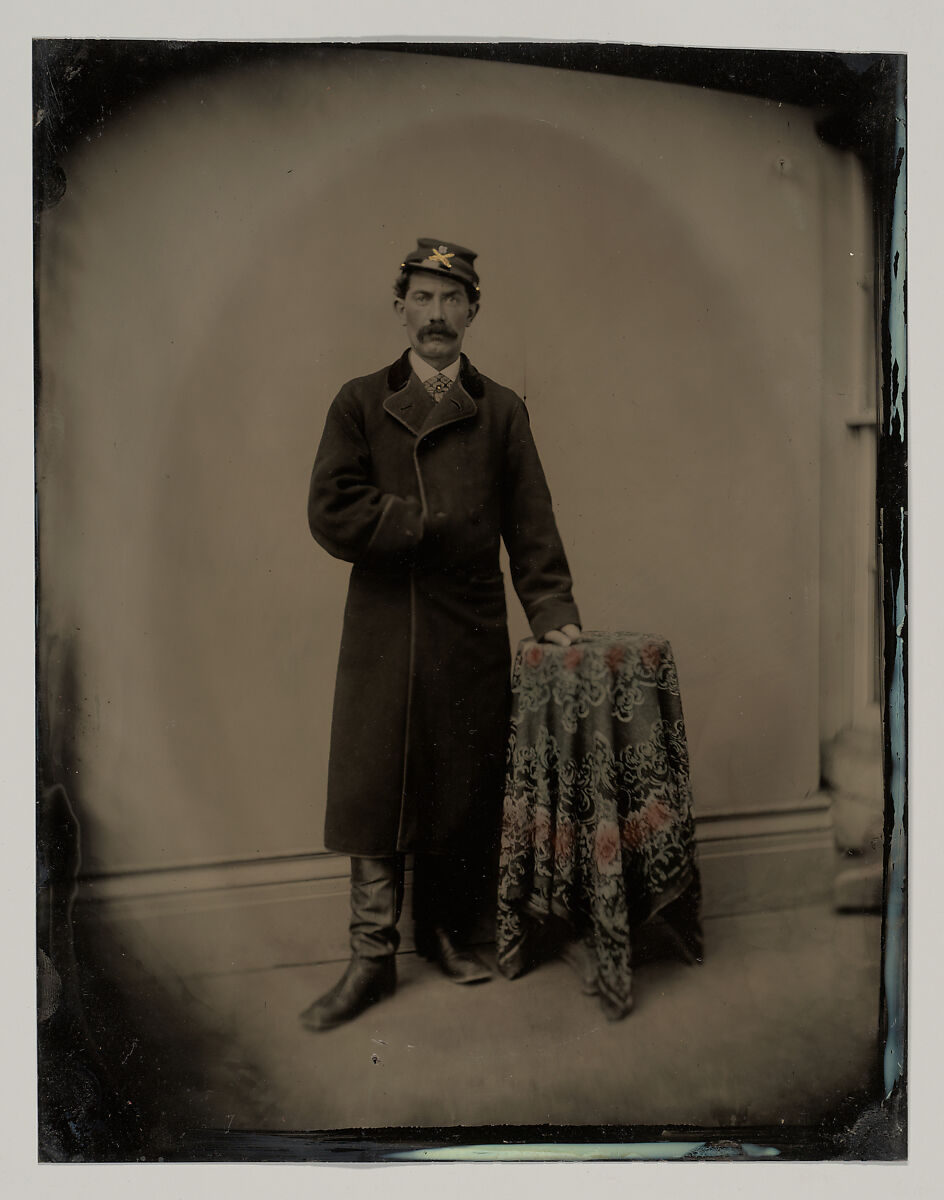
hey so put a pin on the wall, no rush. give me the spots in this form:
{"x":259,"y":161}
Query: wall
{"x":654,"y":261}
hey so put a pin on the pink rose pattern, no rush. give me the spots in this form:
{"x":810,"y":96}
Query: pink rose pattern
{"x":632,"y":833}
{"x":541,"y":831}
{"x":655,"y":815}
{"x":597,"y":821}
{"x":563,"y":843}
{"x":651,"y":656}
{"x":614,"y":658}
{"x":607,"y":847}
{"x":573,"y":657}
{"x":533,"y":656}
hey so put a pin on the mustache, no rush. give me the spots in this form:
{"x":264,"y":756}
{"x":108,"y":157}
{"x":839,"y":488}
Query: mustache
{"x":435,"y":327}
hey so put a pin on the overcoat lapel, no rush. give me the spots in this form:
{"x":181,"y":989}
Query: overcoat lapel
{"x":411,"y":405}
{"x":454,"y":406}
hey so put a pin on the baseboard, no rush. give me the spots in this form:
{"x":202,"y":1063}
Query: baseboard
{"x":278,"y":912}
{"x":767,"y":860}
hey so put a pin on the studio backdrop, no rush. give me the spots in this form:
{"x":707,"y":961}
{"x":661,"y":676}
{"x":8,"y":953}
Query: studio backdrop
{"x":679,"y":282}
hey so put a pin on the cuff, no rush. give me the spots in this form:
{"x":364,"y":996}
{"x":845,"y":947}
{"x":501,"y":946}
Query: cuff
{"x":552,"y":613}
{"x":399,"y":530}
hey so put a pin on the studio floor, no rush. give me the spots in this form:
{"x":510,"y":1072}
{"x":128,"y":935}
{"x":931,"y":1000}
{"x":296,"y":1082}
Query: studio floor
{"x":778,"y":1025}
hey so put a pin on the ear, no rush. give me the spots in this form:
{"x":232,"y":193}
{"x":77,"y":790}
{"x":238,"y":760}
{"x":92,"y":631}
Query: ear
{"x":400,"y":309}
{"x":472,"y":311}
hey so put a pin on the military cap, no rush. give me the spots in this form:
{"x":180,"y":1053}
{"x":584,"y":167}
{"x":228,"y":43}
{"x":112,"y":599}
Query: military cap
{"x":443,"y":258}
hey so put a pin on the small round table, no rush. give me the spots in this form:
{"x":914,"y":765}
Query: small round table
{"x":597,"y":825}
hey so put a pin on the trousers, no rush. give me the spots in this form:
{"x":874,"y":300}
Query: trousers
{"x":447,"y":895}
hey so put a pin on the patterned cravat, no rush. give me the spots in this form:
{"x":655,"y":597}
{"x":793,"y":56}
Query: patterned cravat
{"x":437,"y":385}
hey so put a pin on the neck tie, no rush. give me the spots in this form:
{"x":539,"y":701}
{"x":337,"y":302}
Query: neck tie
{"x":437,"y":385}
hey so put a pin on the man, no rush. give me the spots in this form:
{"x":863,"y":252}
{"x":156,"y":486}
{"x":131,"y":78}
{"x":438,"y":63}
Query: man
{"x":423,"y":468}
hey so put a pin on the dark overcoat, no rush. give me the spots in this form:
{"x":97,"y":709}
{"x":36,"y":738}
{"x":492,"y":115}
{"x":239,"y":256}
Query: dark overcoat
{"x":417,"y":495}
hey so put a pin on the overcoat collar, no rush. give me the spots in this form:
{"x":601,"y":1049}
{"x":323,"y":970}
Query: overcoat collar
{"x":456,"y":405}
{"x":399,"y":373}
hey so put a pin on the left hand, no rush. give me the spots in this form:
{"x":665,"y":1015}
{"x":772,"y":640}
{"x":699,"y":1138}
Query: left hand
{"x":565,"y":636}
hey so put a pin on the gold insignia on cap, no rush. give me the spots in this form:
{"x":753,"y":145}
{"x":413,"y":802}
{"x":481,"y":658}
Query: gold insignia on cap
{"x":441,"y":255}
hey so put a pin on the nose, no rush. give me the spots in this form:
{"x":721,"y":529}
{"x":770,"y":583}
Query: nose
{"x":436,"y":308}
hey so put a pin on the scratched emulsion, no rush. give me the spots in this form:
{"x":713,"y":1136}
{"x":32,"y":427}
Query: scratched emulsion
{"x":894,"y":946}
{"x":895,"y":902}
{"x":579,"y":1152}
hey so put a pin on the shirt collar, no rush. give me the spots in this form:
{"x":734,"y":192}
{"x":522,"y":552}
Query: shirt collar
{"x":425,"y":371}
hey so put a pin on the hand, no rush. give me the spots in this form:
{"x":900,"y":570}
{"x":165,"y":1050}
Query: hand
{"x":565,"y":636}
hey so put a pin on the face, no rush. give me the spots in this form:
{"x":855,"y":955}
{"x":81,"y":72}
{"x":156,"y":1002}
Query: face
{"x":436,"y":313}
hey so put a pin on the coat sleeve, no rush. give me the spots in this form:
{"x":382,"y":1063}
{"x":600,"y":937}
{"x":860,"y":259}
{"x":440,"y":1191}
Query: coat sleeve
{"x":536,"y":555}
{"x":347,"y":514}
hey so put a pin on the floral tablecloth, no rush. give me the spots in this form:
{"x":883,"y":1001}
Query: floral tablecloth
{"x":597,"y":824}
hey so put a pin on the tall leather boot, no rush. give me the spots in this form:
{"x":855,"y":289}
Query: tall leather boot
{"x":376,"y":901}
{"x":441,"y":888}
